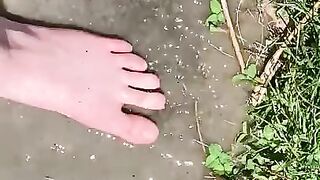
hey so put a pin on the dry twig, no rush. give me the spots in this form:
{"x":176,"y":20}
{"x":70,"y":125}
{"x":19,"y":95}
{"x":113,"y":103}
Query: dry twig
{"x":232,"y":33}
{"x":198,"y":126}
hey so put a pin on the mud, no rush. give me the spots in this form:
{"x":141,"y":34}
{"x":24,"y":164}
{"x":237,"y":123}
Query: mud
{"x":37,"y":144}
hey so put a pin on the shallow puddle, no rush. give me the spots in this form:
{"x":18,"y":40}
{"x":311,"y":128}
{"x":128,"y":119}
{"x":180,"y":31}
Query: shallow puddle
{"x":195,"y":68}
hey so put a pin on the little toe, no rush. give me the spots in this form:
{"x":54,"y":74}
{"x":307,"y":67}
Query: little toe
{"x":132,"y":62}
{"x":141,"y":80}
{"x":136,"y":129}
{"x":154,"y":101}
{"x":117,"y":45}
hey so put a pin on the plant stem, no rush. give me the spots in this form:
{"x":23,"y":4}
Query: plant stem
{"x":233,"y":37}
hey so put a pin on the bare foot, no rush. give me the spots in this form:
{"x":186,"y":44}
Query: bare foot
{"x":77,"y":74}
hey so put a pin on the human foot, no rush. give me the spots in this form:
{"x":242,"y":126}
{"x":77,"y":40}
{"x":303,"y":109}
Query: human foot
{"x":77,"y":74}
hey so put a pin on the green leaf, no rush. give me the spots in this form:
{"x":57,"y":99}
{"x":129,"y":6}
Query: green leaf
{"x":215,"y":149}
{"x":251,"y":71}
{"x":239,"y":77}
{"x":219,"y":161}
{"x":225,"y":158}
{"x":210,"y":159}
{"x":243,"y":159}
{"x":250,"y":164}
{"x":268,"y":132}
{"x":218,"y":168}
{"x":309,"y":159}
{"x":221,"y":17}
{"x":212,"y":19}
{"x":212,"y":28}
{"x":228,"y":168}
{"x":215,"y":6}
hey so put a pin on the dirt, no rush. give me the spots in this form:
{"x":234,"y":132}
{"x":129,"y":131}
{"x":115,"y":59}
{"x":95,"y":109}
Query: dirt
{"x":38,"y":144}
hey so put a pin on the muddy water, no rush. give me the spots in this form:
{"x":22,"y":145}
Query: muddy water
{"x":37,"y":144}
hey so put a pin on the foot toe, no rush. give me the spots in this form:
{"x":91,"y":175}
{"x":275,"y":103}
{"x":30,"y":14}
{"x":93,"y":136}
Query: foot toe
{"x":117,"y":45}
{"x":131,"y":62}
{"x":135,"y":129}
{"x":155,"y":101}
{"x":141,"y":80}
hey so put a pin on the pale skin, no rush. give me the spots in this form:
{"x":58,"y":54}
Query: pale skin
{"x":78,"y":74}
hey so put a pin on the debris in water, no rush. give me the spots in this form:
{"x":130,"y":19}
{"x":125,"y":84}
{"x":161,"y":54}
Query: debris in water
{"x":58,"y":148}
{"x":181,"y":137}
{"x":93,"y":157}
{"x":28,"y":157}
{"x":48,"y":178}
{"x":188,"y":163}
{"x":178,"y":20}
{"x":179,"y":163}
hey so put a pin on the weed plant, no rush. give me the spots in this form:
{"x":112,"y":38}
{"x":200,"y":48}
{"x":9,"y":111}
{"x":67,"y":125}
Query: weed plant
{"x":281,"y":138}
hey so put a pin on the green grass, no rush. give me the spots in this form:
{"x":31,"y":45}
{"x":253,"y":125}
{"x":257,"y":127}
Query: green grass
{"x":281,"y":138}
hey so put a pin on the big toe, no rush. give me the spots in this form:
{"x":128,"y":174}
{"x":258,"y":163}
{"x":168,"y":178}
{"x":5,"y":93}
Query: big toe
{"x":136,"y":129}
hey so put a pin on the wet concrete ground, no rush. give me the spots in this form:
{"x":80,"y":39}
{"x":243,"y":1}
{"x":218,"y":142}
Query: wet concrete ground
{"x":37,"y":144}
